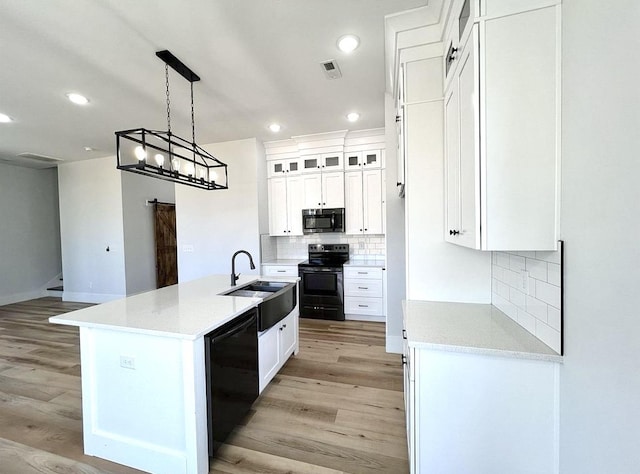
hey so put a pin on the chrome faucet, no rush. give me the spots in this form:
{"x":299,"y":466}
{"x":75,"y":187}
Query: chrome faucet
{"x":235,"y":277}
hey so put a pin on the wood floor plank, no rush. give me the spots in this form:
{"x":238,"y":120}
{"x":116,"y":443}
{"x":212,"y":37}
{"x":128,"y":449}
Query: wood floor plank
{"x":336,"y":407}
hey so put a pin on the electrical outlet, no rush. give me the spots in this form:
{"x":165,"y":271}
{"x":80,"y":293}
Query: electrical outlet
{"x":524,"y":285}
{"x":361,"y":245}
{"x":127,"y":362}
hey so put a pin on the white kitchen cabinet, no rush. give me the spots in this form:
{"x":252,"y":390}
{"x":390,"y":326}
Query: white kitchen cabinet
{"x":280,"y":270}
{"x":323,"y":190}
{"x":477,"y":398}
{"x":275,"y":346}
{"x":286,"y":195}
{"x":364,"y":202}
{"x":332,"y":161}
{"x":364,"y":293}
{"x":311,"y":164}
{"x":502,"y":121}
{"x":358,"y":160}
{"x":288,"y":166}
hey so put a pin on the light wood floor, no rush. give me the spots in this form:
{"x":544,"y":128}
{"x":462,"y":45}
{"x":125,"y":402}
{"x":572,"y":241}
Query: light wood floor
{"x":335,"y":407}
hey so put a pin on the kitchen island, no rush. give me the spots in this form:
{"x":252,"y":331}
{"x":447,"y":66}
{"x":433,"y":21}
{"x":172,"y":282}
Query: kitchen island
{"x":143,"y":373}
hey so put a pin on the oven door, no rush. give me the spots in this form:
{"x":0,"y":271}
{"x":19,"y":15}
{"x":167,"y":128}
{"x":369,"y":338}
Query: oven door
{"x":321,"y":292}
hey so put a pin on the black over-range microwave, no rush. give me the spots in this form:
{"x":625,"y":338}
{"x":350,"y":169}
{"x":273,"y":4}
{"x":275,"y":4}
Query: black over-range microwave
{"x":322,"y":220}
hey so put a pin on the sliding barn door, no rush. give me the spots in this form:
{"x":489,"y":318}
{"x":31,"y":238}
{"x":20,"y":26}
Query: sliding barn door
{"x":166,"y":246}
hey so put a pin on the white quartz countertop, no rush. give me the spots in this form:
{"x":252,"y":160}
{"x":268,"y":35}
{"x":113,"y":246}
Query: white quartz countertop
{"x":186,"y":310}
{"x":284,"y":261}
{"x":470,"y":328}
{"x":365,"y":262}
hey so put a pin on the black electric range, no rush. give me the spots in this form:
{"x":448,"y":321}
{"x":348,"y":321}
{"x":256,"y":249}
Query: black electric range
{"x":321,"y":282}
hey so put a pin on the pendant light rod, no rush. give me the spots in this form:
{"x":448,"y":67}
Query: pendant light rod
{"x":178,"y":65}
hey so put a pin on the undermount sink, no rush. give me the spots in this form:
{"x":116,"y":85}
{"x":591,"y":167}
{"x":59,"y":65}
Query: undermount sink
{"x":278,"y":299}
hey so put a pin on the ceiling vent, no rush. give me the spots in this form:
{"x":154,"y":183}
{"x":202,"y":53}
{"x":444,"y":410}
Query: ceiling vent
{"x":331,"y":69}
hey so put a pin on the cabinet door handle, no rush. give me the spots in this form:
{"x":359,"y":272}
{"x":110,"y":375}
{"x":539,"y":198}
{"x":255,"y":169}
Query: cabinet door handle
{"x":404,"y":359}
{"x":454,"y":232}
{"x":404,"y":334}
{"x":451,"y":56}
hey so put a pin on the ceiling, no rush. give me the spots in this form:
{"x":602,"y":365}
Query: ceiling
{"x":259,"y":61}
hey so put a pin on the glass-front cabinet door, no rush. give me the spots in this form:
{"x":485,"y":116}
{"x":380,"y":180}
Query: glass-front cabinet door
{"x":311,"y":164}
{"x":284,"y":167}
{"x":363,"y":160}
{"x":332,"y":161}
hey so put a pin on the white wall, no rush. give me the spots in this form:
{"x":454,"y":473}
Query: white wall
{"x":29,"y":232}
{"x":139,"y":225}
{"x":600,"y":380}
{"x":90,"y":221}
{"x":212,"y":225}
{"x":396,"y":268}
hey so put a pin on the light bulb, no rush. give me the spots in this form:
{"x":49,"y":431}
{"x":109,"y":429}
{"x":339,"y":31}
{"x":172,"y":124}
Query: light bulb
{"x":159,"y":160}
{"x":176,"y":164}
{"x":77,"y":98}
{"x":353,"y":116}
{"x":188,"y":169}
{"x":140,"y":153}
{"x":203,"y":174}
{"x":214,"y":176}
{"x":348,"y":43}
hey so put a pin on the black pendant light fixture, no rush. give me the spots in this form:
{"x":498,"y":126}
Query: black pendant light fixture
{"x":163,"y":155}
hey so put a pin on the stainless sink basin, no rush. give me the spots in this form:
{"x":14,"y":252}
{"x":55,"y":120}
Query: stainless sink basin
{"x":278,"y":299}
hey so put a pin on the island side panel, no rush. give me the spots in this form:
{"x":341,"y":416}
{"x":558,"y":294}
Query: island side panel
{"x":136,"y":406}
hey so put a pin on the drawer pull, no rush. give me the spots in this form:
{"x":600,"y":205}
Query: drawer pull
{"x":281,"y":271}
{"x":363,"y":273}
{"x":363,"y":288}
{"x":363,"y":305}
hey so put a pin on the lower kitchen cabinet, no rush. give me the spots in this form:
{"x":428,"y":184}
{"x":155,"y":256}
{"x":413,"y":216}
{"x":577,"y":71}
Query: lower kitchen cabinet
{"x":472,"y":408}
{"x":364,"y":293}
{"x":280,"y":270}
{"x":275,"y":346}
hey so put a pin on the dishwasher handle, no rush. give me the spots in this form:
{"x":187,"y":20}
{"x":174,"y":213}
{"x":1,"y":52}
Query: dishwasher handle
{"x":231,"y":329}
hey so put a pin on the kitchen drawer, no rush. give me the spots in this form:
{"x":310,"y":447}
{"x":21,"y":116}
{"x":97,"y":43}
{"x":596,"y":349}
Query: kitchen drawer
{"x":363,"y":273}
{"x":367,"y":288}
{"x":280,"y":270}
{"x":360,"y":305}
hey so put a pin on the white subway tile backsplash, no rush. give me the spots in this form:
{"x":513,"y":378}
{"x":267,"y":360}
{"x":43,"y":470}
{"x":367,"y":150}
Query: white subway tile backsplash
{"x":553,"y":318}
{"x":548,"y":335}
{"x":517,"y":297}
{"x":537,"y":269}
{"x":548,"y":293}
{"x":552,"y":257}
{"x":537,"y":310}
{"x":553,"y":274}
{"x":297,"y":247}
{"x":506,"y":307}
{"x":516,"y":263}
{"x":527,"y":321}
{"x":503,"y":259}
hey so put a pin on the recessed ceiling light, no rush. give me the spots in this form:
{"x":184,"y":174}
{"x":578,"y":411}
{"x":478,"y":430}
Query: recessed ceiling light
{"x":353,"y":117}
{"x":275,"y":127}
{"x":348,"y":43}
{"x":5,"y":118}
{"x":88,"y":148}
{"x":77,"y":98}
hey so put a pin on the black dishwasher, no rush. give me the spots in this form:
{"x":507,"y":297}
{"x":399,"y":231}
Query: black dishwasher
{"x":231,"y":353}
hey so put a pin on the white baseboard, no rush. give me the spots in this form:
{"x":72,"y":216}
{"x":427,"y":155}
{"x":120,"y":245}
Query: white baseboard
{"x":362,"y":317}
{"x":18,"y":297}
{"x":89,"y":297}
{"x":394,"y":344}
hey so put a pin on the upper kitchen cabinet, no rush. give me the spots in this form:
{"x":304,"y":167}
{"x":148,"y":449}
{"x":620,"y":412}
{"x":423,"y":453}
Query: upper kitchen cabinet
{"x":286,"y":194}
{"x":323,"y":190}
{"x":287,"y":166}
{"x":364,"y":202}
{"x":502,"y":124}
{"x":358,"y":160}
{"x":323,"y":162}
